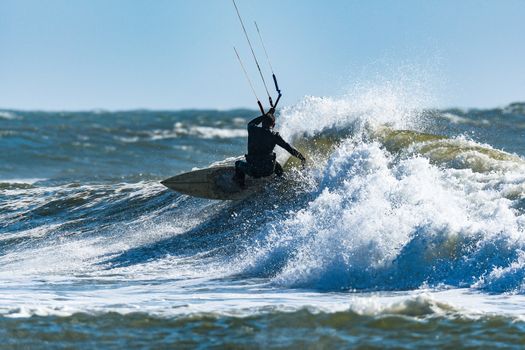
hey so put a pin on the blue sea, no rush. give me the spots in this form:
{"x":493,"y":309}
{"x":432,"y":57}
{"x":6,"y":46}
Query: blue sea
{"x":405,"y":230}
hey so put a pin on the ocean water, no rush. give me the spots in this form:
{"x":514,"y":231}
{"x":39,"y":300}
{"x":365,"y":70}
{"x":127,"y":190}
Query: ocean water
{"x":406,"y":230}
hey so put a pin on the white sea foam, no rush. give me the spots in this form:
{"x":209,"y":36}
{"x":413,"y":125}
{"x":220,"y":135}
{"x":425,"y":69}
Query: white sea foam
{"x":210,"y":132}
{"x":8,"y":115}
{"x":456,"y":119}
{"x":172,"y":299}
{"x":29,"y":181}
{"x":205,"y":132}
{"x":125,"y":139}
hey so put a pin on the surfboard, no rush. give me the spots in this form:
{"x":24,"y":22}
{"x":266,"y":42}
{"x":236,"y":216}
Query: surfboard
{"x":214,"y":183}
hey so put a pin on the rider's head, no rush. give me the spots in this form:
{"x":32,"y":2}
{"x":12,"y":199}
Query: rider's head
{"x":269,"y":119}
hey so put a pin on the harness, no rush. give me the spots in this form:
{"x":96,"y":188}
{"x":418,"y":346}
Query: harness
{"x":261,"y":164}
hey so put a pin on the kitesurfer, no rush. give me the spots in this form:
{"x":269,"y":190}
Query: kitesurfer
{"x":260,"y":160}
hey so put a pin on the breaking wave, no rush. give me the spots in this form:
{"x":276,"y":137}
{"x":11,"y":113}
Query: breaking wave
{"x":394,"y":198}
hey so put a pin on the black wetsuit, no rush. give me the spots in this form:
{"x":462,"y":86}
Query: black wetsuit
{"x":260,"y":160}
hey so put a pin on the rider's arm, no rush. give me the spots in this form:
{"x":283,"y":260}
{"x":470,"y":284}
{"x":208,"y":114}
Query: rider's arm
{"x":256,"y":121}
{"x":279,"y":140}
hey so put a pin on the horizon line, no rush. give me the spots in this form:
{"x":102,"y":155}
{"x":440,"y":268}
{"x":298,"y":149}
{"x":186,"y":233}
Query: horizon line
{"x":149,"y":109}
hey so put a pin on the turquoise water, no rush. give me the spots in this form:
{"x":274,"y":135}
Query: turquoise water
{"x":391,"y":237}
{"x":284,"y":330}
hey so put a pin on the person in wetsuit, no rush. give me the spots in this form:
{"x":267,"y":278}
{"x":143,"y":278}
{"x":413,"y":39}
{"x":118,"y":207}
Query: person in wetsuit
{"x":260,"y":160}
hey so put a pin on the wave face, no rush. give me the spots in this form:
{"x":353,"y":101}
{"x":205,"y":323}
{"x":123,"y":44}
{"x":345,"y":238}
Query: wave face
{"x":400,"y":208}
{"x":394,"y":209}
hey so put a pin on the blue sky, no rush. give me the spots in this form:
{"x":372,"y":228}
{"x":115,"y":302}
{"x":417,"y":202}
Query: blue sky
{"x":175,"y":54}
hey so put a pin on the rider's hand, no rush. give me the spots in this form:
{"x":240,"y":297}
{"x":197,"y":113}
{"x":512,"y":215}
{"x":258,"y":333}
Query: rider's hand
{"x":303,"y":160}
